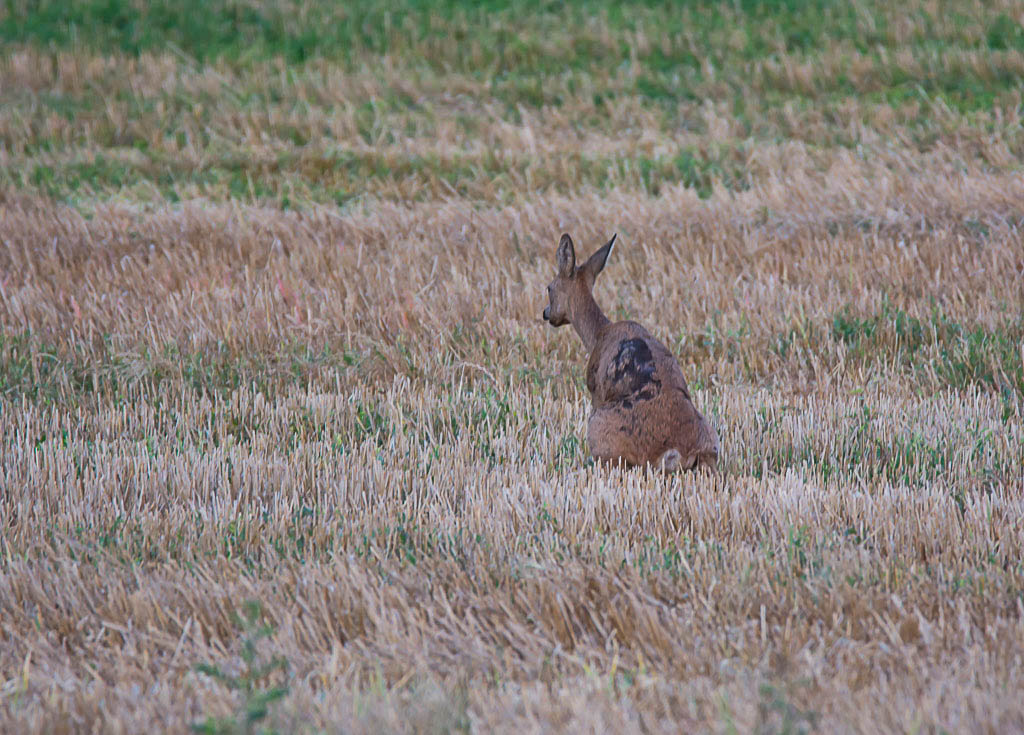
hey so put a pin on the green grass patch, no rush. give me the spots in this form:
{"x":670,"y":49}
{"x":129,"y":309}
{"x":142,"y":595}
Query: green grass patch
{"x":31,"y":369}
{"x":502,"y":36}
{"x":521,"y":45}
{"x":959,"y":354}
{"x":340,"y":176}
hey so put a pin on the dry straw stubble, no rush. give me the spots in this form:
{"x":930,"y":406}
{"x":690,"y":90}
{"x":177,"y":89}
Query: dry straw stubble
{"x":424,"y":514}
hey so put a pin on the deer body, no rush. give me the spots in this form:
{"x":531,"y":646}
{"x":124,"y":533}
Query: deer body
{"x":642,"y":409}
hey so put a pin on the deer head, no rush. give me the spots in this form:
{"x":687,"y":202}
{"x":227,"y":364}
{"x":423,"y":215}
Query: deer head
{"x":570,"y":294}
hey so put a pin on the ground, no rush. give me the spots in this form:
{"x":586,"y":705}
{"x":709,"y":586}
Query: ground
{"x":284,"y":437}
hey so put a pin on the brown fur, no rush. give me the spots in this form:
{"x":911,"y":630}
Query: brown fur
{"x":642,"y":410}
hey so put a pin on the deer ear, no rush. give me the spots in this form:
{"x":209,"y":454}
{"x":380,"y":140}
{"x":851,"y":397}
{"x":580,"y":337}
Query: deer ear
{"x":595,"y":263}
{"x":565,"y":257}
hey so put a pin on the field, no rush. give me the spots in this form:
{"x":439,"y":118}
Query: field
{"x":285,"y":443}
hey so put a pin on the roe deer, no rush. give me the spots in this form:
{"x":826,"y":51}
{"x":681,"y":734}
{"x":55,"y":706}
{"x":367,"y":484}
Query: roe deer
{"x":642,"y":412}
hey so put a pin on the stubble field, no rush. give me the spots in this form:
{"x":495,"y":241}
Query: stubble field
{"x":283,"y":436}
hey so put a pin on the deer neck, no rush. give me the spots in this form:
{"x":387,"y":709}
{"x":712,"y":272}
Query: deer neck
{"x":587,"y":318}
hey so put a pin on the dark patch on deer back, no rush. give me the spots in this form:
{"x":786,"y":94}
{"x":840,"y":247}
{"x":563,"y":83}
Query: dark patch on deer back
{"x":632,"y":371}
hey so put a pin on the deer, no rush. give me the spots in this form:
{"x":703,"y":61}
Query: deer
{"x":642,"y":413}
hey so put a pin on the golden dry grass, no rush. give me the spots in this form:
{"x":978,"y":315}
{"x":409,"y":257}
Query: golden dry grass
{"x":355,"y":416}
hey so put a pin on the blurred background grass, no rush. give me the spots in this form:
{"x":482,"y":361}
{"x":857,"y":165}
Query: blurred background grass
{"x":921,"y":77}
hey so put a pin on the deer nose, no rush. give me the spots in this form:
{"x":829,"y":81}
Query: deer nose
{"x":546,"y":312}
